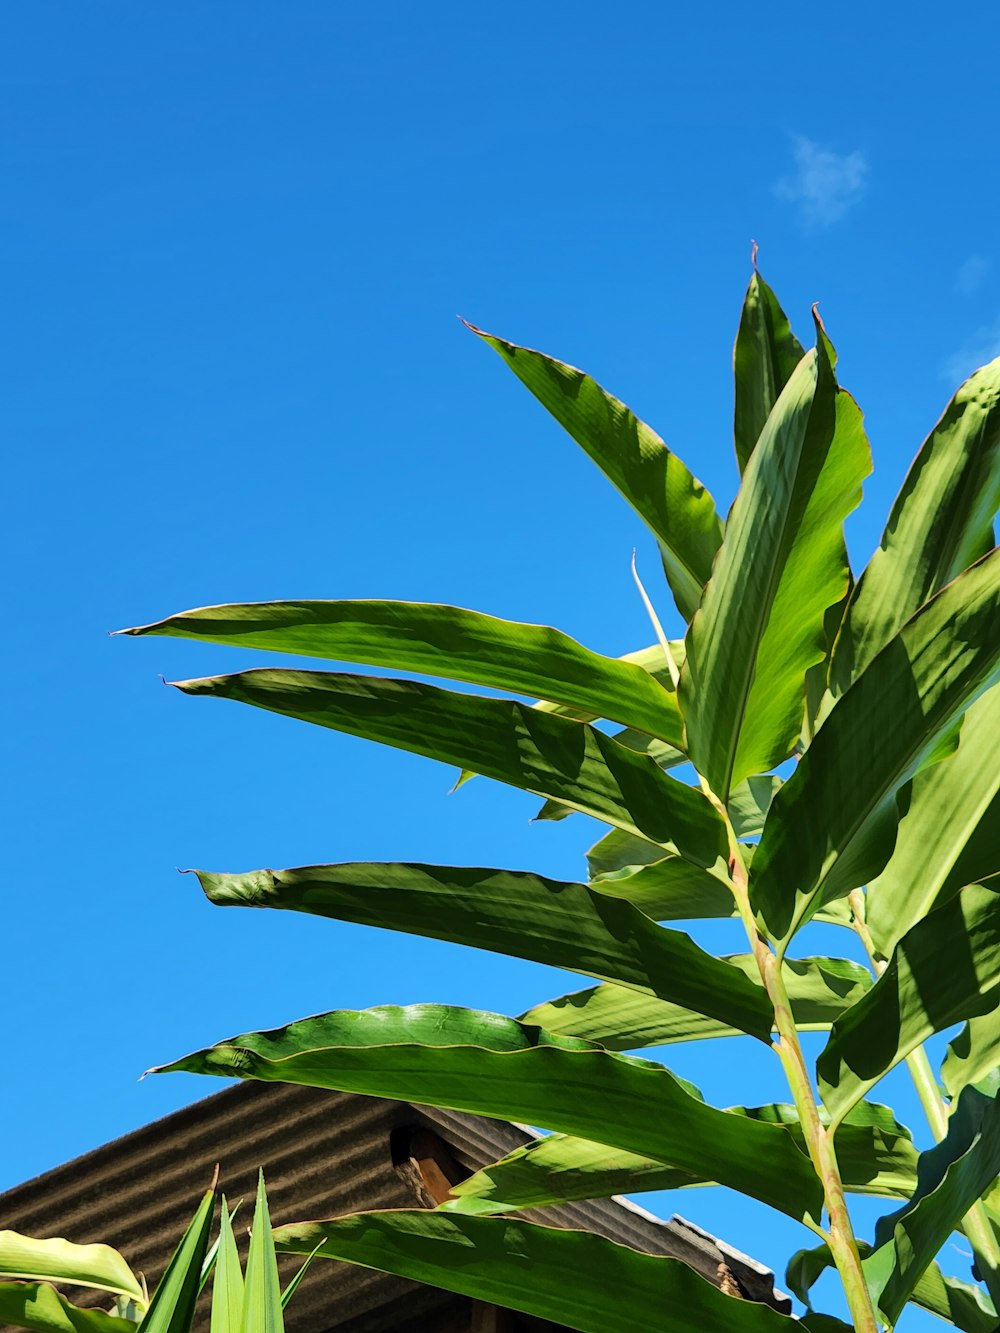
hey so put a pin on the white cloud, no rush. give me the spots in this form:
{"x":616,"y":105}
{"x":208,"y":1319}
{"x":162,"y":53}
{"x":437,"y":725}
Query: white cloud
{"x":981,"y":347}
{"x":826,"y":184}
{"x":971,"y":274}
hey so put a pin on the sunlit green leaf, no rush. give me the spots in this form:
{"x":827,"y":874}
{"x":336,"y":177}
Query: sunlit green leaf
{"x":759,"y":627}
{"x":972,"y":1054}
{"x":467,"y":1060}
{"x":949,"y":835}
{"x":262,"y":1294}
{"x":951,"y":1177}
{"x":573,"y":1278}
{"x":943,"y":970}
{"x":941,"y":522}
{"x":442,"y":641}
{"x":875,"y":1154}
{"x":819,"y":989}
{"x":59,"y":1260}
{"x":673,"y":504}
{"x":172,"y":1307}
{"x":765,"y":355}
{"x":227,"y":1284}
{"x":38,"y":1307}
{"x":831,"y":827}
{"x":502,"y":739}
{"x":960,"y":1303}
{"x":548,"y":921}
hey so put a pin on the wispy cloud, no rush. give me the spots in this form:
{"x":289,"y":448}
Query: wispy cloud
{"x":981,"y":347}
{"x":825,"y":184}
{"x":971,"y":274}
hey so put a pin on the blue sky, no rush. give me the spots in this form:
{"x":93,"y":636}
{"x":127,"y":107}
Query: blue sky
{"x":236,"y":239}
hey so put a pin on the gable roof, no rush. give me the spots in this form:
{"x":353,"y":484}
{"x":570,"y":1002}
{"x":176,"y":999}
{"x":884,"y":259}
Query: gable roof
{"x":323,"y":1154}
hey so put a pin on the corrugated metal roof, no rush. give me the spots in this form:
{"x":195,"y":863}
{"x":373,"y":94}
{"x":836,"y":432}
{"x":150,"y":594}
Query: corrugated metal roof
{"x":323,"y":1154}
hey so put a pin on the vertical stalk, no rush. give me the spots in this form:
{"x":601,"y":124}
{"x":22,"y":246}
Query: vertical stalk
{"x":976,"y":1223}
{"x":840,"y":1234}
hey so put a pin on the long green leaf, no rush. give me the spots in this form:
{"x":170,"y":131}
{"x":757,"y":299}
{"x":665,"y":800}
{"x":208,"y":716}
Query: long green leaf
{"x":941,"y":521}
{"x":674,"y":505}
{"x":951,"y":1177}
{"x":227,"y":1284}
{"x":781,"y":565}
{"x":574,"y":1278}
{"x":973,"y":1054}
{"x":832,"y":825}
{"x":875,"y":1154}
{"x":499,"y":738}
{"x":960,"y":1303}
{"x":39,"y":1307}
{"x":943,"y":970}
{"x":547,"y":921}
{"x":262,"y":1296}
{"x":764,"y":358}
{"x":59,"y":1260}
{"x":820,"y":989}
{"x":442,"y":641}
{"x":173,"y":1305}
{"x":950,"y":833}
{"x":467,"y":1060}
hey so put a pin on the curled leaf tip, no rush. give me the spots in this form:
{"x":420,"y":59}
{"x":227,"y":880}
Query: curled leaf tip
{"x":754,"y":248}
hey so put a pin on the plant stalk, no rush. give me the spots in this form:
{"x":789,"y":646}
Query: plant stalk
{"x":976,"y":1224}
{"x":840,"y":1234}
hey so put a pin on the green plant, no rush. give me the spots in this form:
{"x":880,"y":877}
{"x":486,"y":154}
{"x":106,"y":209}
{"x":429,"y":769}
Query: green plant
{"x":842,"y":734}
{"x":29,"y":1268}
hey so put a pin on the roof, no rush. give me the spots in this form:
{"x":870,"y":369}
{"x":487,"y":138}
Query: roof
{"x":323,"y":1154}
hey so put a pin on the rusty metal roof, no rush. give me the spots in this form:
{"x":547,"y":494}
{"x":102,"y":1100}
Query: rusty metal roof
{"x":323,"y":1154}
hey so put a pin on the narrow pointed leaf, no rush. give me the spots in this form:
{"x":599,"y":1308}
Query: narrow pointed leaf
{"x":59,"y":1260}
{"x":227,"y":1284}
{"x":574,"y":1278}
{"x":941,"y":522}
{"x":671,"y":889}
{"x":949,"y":835}
{"x":499,"y":738}
{"x":617,"y":851}
{"x":944,"y":970}
{"x":960,"y":1303}
{"x":780,"y":567}
{"x":831,"y":827}
{"x":173,"y":1305}
{"x":262,"y":1294}
{"x":442,"y":641}
{"x":673,"y":504}
{"x":820,"y":989}
{"x":526,"y":916}
{"x":951,"y":1177}
{"x":42,"y":1309}
{"x":876,"y":1156}
{"x":973,"y":1054}
{"x":765,"y":355}
{"x":296,"y":1281}
{"x":471,"y":1061}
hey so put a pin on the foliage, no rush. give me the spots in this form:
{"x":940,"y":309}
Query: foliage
{"x":842,"y":734}
{"x":250,"y":1305}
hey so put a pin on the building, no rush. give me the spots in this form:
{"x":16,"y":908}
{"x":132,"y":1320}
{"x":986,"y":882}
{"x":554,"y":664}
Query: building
{"x":325,"y":1154}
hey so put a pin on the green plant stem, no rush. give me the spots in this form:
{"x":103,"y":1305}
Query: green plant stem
{"x":976,"y":1224}
{"x":840,"y":1235}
